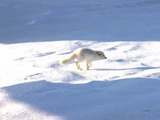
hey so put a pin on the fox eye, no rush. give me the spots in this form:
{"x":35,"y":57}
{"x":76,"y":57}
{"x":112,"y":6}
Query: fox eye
{"x":99,"y":54}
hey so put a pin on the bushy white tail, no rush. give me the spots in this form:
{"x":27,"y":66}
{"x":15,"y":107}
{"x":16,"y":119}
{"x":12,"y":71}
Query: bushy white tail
{"x":68,"y":59}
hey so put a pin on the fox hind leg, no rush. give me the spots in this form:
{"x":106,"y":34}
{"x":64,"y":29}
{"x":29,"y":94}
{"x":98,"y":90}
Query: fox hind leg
{"x":78,"y":66}
{"x":88,"y":65}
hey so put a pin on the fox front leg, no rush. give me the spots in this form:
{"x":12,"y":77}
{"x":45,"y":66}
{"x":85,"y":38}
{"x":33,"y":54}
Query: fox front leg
{"x":88,"y":65}
{"x":78,"y":66}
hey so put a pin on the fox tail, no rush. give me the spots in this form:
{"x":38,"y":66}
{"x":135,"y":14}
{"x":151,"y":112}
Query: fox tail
{"x":68,"y":59}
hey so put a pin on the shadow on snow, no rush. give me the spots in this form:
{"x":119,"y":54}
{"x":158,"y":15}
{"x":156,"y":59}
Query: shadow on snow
{"x":96,"y":20}
{"x":94,"y":100}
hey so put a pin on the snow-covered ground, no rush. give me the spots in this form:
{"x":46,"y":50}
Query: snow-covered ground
{"x":125,"y":86}
{"x":34,"y":86}
{"x":105,"y":20}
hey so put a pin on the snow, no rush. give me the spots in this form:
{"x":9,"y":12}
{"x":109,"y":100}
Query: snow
{"x":34,"y":86}
{"x":125,"y":86}
{"x":122,"y":20}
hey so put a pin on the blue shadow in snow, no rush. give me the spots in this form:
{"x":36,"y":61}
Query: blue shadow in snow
{"x":77,"y":21}
{"x":136,"y":68}
{"x":94,"y":100}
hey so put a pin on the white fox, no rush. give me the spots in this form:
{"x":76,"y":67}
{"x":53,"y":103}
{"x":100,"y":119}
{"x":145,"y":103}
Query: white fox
{"x":84,"y":54}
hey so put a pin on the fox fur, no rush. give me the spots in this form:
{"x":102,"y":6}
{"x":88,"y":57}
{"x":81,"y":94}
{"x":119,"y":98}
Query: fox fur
{"x":84,"y":54}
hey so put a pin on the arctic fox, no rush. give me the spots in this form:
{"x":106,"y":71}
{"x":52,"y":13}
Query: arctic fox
{"x":84,"y":54}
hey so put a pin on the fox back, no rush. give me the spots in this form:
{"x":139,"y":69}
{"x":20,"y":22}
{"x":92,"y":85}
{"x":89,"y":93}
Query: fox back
{"x":89,"y":55}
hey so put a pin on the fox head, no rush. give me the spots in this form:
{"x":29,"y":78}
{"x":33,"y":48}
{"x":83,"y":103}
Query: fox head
{"x":101,"y":55}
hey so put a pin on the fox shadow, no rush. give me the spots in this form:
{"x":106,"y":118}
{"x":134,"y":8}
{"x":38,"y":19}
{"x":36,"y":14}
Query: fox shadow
{"x":80,"y":101}
{"x":137,"y":68}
